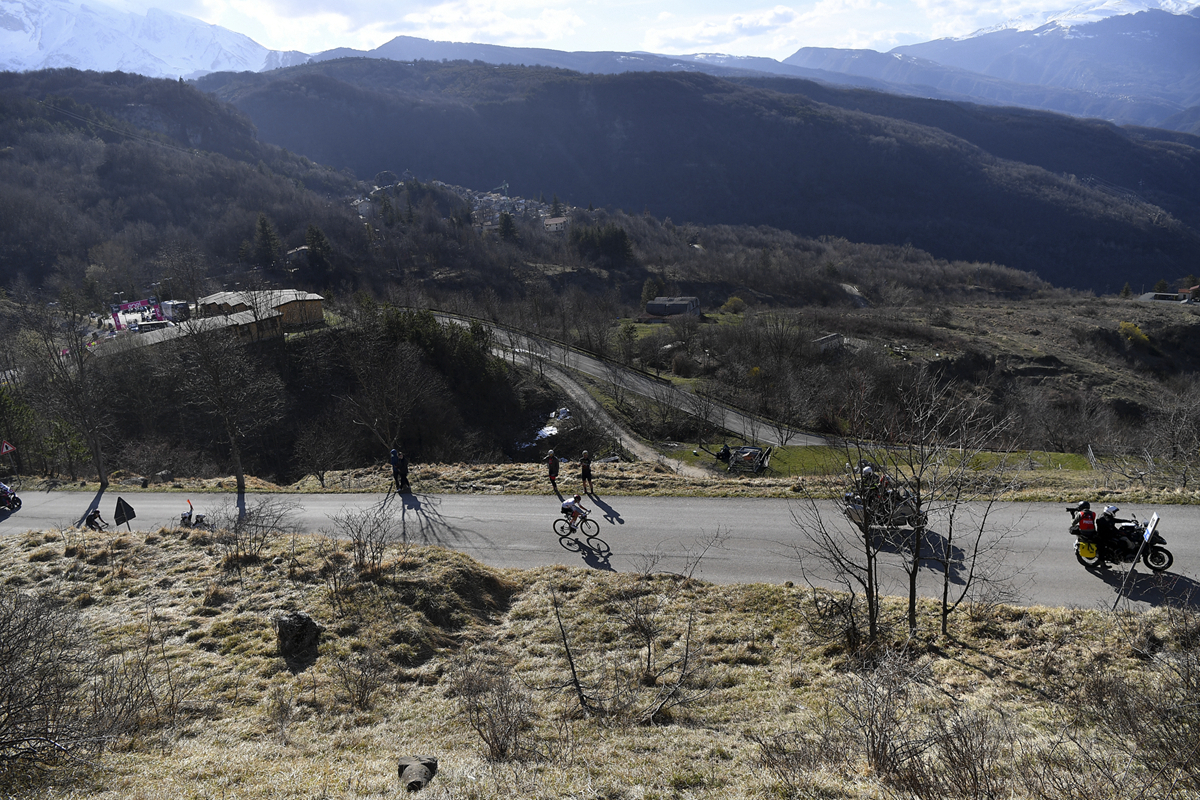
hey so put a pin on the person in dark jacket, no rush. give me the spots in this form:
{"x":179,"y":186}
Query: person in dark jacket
{"x":402,"y":468}
{"x":552,"y":466}
{"x":585,"y":472}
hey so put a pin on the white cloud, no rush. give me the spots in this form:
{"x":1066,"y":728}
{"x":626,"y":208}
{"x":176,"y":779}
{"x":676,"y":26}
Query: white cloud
{"x":714,"y":32}
{"x":491,"y":22}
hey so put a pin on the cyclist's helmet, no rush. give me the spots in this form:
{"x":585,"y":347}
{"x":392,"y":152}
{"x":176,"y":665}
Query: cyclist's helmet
{"x":585,"y":452}
{"x":577,"y":498}
{"x":1111,"y":510}
{"x":550,"y":453}
{"x":867,"y":471}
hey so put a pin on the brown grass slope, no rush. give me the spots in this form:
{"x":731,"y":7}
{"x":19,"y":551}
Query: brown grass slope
{"x":678,"y":688}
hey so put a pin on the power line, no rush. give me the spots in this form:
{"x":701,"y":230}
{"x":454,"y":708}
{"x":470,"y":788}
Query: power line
{"x":127,"y":134}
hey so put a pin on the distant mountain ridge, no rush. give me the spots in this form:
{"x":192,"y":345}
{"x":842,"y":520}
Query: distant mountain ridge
{"x":1025,"y":189}
{"x":1128,"y":61}
{"x":1141,"y":69}
{"x":44,"y":34}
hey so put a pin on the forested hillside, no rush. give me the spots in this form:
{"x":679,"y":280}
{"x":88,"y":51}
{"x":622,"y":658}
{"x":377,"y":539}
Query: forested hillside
{"x":1017,"y":190}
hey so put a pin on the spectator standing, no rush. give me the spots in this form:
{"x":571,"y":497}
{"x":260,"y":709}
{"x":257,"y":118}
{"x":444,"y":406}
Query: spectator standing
{"x":585,"y":472}
{"x":395,"y":459}
{"x":403,"y":469}
{"x":552,"y":466}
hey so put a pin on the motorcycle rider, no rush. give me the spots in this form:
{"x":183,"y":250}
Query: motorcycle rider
{"x":1083,"y":519}
{"x":1109,"y":526}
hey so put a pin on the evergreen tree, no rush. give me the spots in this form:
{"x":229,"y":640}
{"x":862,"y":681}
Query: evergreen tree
{"x":1162,"y":286}
{"x":319,"y":250}
{"x":556,"y":207}
{"x":267,"y":245}
{"x":1127,"y":292}
{"x":508,"y":228}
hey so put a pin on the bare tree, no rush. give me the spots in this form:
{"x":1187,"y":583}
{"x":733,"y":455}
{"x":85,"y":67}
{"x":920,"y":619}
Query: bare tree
{"x":390,"y":381}
{"x":323,"y":445}
{"x":226,"y":381}
{"x":61,"y":375}
{"x":909,"y":456}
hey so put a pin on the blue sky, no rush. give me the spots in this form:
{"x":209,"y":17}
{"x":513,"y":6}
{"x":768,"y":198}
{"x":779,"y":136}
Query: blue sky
{"x":660,"y":26}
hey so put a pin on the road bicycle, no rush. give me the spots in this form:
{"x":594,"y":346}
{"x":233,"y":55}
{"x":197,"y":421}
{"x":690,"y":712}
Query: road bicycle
{"x":588,"y":527}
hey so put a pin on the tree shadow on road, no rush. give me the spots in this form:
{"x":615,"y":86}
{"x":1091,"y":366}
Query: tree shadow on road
{"x":936,"y":551}
{"x":1156,"y":589}
{"x":422,"y":521}
{"x":91,"y":506}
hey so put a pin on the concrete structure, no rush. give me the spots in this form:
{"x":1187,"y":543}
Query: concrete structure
{"x":556,"y":224}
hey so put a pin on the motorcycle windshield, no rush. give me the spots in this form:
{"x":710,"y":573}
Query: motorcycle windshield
{"x":1151,"y":525}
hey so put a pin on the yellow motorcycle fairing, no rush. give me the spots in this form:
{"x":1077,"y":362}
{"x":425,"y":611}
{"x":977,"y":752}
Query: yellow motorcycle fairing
{"x":1087,"y":549}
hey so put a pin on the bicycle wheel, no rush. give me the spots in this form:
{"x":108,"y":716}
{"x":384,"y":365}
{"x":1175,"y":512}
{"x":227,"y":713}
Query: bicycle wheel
{"x":562,"y":527}
{"x":598,"y":546}
{"x":589,"y":527}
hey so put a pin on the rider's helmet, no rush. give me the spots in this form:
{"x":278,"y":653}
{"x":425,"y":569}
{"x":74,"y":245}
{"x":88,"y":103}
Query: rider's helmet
{"x":577,"y":498}
{"x":1111,"y":510}
{"x":550,"y":453}
{"x":585,"y":452}
{"x":867,"y":472}
{"x":1085,"y":506}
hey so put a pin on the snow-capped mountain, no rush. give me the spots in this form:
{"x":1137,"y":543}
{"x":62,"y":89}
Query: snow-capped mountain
{"x":1087,"y":13}
{"x":41,"y":34}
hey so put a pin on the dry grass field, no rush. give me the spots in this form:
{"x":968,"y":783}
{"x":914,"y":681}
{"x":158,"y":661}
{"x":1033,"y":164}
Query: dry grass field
{"x":565,"y":683}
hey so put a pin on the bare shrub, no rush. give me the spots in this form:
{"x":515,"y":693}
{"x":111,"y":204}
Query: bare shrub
{"x":279,"y":708}
{"x":361,"y":675}
{"x":496,"y":707}
{"x":1152,"y":719}
{"x":791,"y":756}
{"x":46,"y":660}
{"x":371,"y":531}
{"x":242,"y":535}
{"x":626,"y":690}
{"x":837,"y":617}
{"x":139,"y":690}
{"x":876,"y":705}
{"x":968,"y":758}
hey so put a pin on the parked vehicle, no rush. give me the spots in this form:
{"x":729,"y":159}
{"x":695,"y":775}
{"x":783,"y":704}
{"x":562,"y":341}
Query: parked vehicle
{"x":889,"y":508}
{"x":888,"y":505}
{"x":1095,"y":550}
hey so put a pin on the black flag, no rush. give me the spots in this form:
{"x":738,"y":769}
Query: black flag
{"x":123,"y":512}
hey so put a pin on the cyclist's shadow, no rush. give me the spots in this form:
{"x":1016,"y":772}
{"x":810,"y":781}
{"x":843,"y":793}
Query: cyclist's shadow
{"x":596,"y":558}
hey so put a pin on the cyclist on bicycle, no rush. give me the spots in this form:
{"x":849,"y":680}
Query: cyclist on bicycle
{"x":574,"y":509}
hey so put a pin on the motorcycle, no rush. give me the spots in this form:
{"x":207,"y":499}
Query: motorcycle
{"x":190,"y":519}
{"x":1095,"y":550}
{"x":890,"y":508}
{"x":9,"y":500}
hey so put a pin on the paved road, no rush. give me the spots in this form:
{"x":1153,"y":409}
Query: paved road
{"x":719,"y":416}
{"x":649,"y":533}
